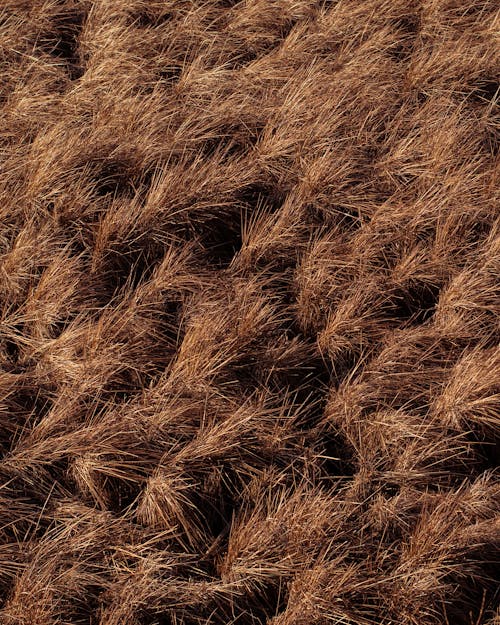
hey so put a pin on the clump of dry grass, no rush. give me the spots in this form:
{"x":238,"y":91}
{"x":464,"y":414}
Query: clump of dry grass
{"x":249,"y":304}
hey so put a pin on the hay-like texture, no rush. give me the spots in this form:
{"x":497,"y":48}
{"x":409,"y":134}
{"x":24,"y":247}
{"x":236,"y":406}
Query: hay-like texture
{"x":249,"y":259}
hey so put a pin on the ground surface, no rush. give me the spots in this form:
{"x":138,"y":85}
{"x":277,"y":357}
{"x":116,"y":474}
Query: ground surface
{"x":249,"y":259}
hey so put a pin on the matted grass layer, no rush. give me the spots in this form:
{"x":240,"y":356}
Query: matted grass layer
{"x":249,"y":312}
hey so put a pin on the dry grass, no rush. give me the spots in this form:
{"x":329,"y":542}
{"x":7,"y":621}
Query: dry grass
{"x":249,"y":312}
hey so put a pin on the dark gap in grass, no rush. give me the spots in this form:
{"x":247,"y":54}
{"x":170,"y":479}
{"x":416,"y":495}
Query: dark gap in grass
{"x":416,"y":303}
{"x":220,"y":515}
{"x":150,"y":18}
{"x":251,"y":52}
{"x":339,"y":457}
{"x":349,"y":218}
{"x":422,"y":97}
{"x":15,"y":416}
{"x":132,"y":381}
{"x":229,"y":4}
{"x":29,"y":524}
{"x":170,"y":74}
{"x":169,"y":321}
{"x":409,"y":24}
{"x":485,"y":91}
{"x":308,"y":386}
{"x":75,"y":237}
{"x":212,"y":505}
{"x":261,"y":607}
{"x":144,"y":181}
{"x":12,"y":350}
{"x":233,"y":140}
{"x":371,"y":153}
{"x":406,"y":31}
{"x":122,"y":493}
{"x":478,"y":578}
{"x":140,"y":184}
{"x":241,"y":59}
{"x":325,"y":217}
{"x":221,"y":240}
{"x":401,"y":52}
{"x":85,"y":610}
{"x":287,"y":28}
{"x":159,"y":619}
{"x":131,"y":265}
{"x":491,"y":141}
{"x":63,"y":43}
{"x":317,"y":216}
{"x":477,"y":231}
{"x":113,"y":178}
{"x":261,"y":195}
{"x":34,"y":404}
{"x":58,"y":327}
{"x":225,"y":145}
{"x":58,"y":470}
{"x":486,"y":446}
{"x":124,"y":394}
{"x":17,"y":487}
{"x":344,"y":362}
{"x":490,"y":452}
{"x":476,"y":8}
{"x":390,"y":489}
{"x":244,"y":372}
{"x":306,"y":381}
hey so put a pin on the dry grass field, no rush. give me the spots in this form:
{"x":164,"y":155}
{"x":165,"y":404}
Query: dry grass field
{"x":249,"y":312}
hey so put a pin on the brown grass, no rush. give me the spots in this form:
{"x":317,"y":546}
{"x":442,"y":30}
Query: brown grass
{"x":249,"y":312}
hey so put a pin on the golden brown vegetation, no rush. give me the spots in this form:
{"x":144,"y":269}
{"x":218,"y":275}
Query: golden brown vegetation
{"x":249,"y":312}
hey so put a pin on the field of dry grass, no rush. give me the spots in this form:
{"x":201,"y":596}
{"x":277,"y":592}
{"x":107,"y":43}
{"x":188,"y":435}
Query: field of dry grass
{"x":249,"y":312}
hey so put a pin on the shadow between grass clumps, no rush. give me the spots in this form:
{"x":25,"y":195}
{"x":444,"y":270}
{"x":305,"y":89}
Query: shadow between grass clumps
{"x":485,"y":91}
{"x":114,"y":178}
{"x":416,"y":304}
{"x":259,"y":194}
{"x":63,"y":42}
{"x":221,"y":238}
{"x":130,"y":266}
{"x":150,"y":18}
